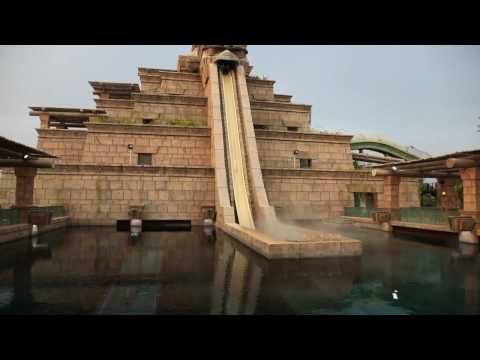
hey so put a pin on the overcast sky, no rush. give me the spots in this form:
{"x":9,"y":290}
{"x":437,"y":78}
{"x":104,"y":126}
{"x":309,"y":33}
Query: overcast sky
{"x":425,"y":96}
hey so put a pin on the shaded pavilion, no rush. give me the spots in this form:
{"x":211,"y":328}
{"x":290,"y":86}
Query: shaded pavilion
{"x":25,"y":160}
{"x":448,"y":170}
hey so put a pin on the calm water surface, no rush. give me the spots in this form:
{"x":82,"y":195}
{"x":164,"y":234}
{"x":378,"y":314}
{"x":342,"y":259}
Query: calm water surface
{"x":101,"y":271}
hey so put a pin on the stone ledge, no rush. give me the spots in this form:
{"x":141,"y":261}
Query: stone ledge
{"x":260,"y":82}
{"x":19,"y":231}
{"x":157,"y":75}
{"x":272,"y":248}
{"x":141,"y":129}
{"x":57,"y":223}
{"x":303,"y":136}
{"x":14,"y":232}
{"x":410,"y":225}
{"x":171,"y":99}
{"x":62,"y":133}
{"x":130,"y":170}
{"x":318,"y":174}
{"x":359,"y":219}
{"x":279,"y":106}
{"x":114,"y":103}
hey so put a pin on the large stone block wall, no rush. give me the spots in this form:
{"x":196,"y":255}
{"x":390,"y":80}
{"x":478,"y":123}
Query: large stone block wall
{"x":116,"y":108}
{"x":156,"y":81}
{"x":408,"y":193}
{"x":7,"y":188}
{"x":108,"y":145}
{"x":163,"y":109}
{"x":276,"y":151}
{"x":93,"y":195}
{"x":279,"y":119}
{"x":67,"y":145}
{"x":298,"y":194}
{"x":260,"y":89}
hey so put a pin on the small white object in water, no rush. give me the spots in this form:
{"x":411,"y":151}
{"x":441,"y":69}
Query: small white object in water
{"x":136,"y":223}
{"x":34,"y":229}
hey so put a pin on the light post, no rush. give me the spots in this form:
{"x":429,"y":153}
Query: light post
{"x":130,"y":148}
{"x":295,"y":153}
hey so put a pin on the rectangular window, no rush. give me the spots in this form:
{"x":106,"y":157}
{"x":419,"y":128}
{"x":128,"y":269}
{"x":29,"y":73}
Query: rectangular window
{"x":305,"y":163}
{"x":144,"y":159}
{"x":292,"y":128}
{"x":260,"y":127}
{"x":147,"y":121}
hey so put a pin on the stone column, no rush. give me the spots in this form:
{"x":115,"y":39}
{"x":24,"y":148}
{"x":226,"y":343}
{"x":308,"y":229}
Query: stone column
{"x":24,"y":189}
{"x":447,"y":195}
{"x":471,"y":192}
{"x":25,"y":177}
{"x":391,"y":186}
{"x":44,"y":120}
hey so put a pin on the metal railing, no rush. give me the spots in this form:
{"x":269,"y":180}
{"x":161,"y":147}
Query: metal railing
{"x":9,"y":216}
{"x":56,"y":210}
{"x":360,"y":211}
{"x":12,"y":216}
{"x":434,"y":216}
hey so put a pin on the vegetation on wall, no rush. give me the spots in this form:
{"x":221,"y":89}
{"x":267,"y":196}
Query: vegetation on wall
{"x":139,"y":120}
{"x":180,"y":122}
{"x":258,"y":77}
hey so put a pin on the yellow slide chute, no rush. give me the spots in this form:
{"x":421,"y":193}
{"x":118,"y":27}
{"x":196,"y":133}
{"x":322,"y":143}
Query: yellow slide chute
{"x":238,"y":176}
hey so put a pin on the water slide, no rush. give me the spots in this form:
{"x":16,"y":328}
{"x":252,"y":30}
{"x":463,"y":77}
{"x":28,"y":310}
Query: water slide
{"x":241,"y":202}
{"x":237,"y":167}
{"x":386,"y":147}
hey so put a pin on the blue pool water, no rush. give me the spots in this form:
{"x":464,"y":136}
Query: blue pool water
{"x":98,"y":270}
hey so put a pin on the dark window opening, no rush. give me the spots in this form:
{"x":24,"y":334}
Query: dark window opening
{"x":292,"y":128}
{"x":356,"y":199}
{"x":147,"y":121}
{"x":260,"y":127}
{"x":365,"y":200}
{"x":144,"y":159}
{"x":305,"y":163}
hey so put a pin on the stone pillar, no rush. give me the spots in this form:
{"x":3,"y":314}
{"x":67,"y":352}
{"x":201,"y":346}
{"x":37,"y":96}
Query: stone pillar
{"x":44,"y":120}
{"x":391,"y":186}
{"x":446,"y":194}
{"x":25,"y":177}
{"x":24,"y":189}
{"x":471,"y":192}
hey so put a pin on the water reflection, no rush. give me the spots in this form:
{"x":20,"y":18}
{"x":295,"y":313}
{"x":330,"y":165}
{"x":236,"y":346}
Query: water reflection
{"x":101,"y":271}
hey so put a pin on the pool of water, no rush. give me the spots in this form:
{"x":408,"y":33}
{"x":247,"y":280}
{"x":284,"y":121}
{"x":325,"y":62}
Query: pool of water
{"x":98,"y":270}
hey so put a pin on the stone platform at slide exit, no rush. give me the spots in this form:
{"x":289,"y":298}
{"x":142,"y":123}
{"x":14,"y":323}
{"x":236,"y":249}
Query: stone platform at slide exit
{"x":317,"y":244}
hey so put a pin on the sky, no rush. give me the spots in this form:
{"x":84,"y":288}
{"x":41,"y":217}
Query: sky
{"x":424,"y":96}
